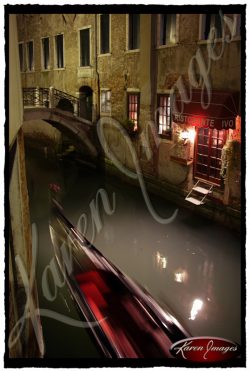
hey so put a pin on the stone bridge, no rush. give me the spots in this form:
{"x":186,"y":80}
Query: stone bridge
{"x":62,"y":111}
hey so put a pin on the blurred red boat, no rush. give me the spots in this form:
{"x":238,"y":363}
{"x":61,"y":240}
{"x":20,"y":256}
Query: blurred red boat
{"x":128,"y":322}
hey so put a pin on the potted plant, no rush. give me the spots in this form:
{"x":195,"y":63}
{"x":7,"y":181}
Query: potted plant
{"x":129,"y":125}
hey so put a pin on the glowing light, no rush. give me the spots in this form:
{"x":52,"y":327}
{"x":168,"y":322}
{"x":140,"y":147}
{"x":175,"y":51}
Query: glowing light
{"x":184,"y":134}
{"x":164,"y":263}
{"x":196,"y":307}
{"x":189,"y":134}
{"x":192,"y":134}
{"x":180,"y":276}
{"x":158,"y":257}
{"x":161,"y":260}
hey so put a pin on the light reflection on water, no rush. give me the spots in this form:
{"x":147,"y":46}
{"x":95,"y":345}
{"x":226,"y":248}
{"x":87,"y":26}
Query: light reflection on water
{"x":204,"y":256}
{"x":196,"y":308}
{"x":191,"y":266}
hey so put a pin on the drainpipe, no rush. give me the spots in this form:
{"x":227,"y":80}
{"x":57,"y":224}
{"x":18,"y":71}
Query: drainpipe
{"x":97,"y":73}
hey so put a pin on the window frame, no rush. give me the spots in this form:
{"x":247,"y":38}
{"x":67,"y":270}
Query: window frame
{"x":212,"y":24}
{"x":105,"y":91}
{"x":128,"y":49}
{"x":137,"y":94}
{"x":168,"y":133}
{"x":202,"y":25}
{"x":42,"y":54}
{"x":99,"y":35}
{"x":159,"y":25}
{"x":22,"y":64}
{"x":55,"y":52}
{"x":27,"y":56}
{"x":90,"y":48}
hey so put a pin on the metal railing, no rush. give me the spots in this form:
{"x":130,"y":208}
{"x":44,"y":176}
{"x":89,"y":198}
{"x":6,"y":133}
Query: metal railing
{"x":51,"y":98}
{"x":66,"y":102}
{"x":36,"y":97}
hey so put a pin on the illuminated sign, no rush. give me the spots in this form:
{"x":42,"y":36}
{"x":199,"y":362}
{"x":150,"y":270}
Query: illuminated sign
{"x":204,"y":122}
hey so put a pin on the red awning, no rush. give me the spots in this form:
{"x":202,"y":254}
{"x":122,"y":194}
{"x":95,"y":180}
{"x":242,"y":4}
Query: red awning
{"x":219,"y":114}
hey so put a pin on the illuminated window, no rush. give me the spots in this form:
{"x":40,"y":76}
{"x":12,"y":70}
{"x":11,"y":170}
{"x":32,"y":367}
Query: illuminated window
{"x":85,"y":47}
{"x":134,"y":31}
{"x":45,"y":53}
{"x":167,"y":29}
{"x":21,"y":56}
{"x":134,"y":108}
{"x":59,"y":51}
{"x":164,"y":118}
{"x":105,"y":101}
{"x":30,"y":56}
{"x":104,"y":33}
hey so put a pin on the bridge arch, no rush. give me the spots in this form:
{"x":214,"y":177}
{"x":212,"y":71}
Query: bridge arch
{"x":82,"y":132}
{"x":65,"y":105}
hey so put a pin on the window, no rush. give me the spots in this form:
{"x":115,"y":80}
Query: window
{"x":45,"y":53}
{"x":164,"y":116}
{"x":104,"y":34}
{"x":167,"y":29}
{"x":21,"y":56}
{"x":105,"y":101}
{"x":210,"y":21}
{"x":30,"y":56}
{"x":59,"y":51}
{"x":134,"y":31}
{"x":133,"y":108}
{"x":85,"y":47}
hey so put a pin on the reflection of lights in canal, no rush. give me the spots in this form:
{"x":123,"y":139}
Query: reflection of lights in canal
{"x":196,"y":307}
{"x":161,"y":260}
{"x":180,"y":276}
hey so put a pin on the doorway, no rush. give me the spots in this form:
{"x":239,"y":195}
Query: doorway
{"x":86,"y":101}
{"x":208,"y":149}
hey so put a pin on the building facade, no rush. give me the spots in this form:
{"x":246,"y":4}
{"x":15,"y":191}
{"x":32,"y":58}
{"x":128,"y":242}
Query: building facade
{"x":173,"y":81}
{"x":26,"y":340}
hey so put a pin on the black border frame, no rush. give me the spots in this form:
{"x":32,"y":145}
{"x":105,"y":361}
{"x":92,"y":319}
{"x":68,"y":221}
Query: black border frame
{"x":73,"y":9}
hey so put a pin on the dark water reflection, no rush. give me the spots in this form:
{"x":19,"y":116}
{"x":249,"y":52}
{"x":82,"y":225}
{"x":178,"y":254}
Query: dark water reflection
{"x":192,"y":265}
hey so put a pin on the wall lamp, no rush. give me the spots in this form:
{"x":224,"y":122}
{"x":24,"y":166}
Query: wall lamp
{"x":187,"y":135}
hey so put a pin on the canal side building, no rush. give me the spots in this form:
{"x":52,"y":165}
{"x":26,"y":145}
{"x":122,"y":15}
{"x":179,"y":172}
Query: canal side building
{"x":24,"y":334}
{"x":173,"y":82}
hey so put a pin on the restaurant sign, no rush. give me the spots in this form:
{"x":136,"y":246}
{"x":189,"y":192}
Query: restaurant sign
{"x":204,"y":122}
{"x":219,"y":112}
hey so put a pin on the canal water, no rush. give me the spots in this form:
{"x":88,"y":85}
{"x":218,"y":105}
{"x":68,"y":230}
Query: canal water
{"x":191,"y":266}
